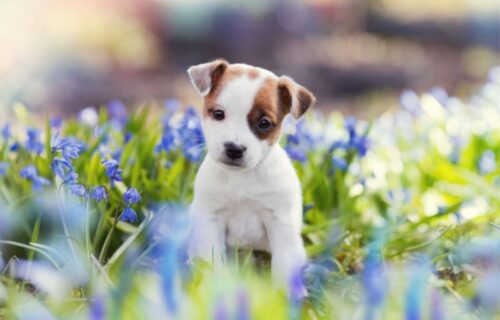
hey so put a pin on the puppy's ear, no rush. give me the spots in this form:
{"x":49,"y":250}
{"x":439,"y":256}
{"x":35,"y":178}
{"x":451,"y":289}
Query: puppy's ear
{"x":293,"y":97}
{"x":205,"y":76}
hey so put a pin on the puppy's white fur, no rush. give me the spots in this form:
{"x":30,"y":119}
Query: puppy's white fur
{"x":255,"y":206}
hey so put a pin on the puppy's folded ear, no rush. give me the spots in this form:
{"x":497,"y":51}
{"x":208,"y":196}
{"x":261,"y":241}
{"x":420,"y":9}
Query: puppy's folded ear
{"x":205,"y":76}
{"x":293,"y":97}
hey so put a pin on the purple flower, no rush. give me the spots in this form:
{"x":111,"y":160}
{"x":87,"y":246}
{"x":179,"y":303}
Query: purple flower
{"x":169,"y":140}
{"x":30,"y":173}
{"x":242,"y":307}
{"x":117,"y":112}
{"x":14,"y":147}
{"x":6,"y":132}
{"x":57,"y":143}
{"x":33,"y":143}
{"x":56,"y":122}
{"x":99,"y":194}
{"x":128,"y":136}
{"x":221,"y":312}
{"x":339,"y":163}
{"x":97,"y":309}
{"x":131,"y":196}
{"x":3,"y":168}
{"x":78,"y":190}
{"x":112,"y":170}
{"x":355,"y":142}
{"x":295,"y":153}
{"x":129,"y":215}
{"x":70,"y":178}
{"x":59,"y":166}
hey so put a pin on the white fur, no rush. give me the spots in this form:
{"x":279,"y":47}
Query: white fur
{"x":255,"y":206}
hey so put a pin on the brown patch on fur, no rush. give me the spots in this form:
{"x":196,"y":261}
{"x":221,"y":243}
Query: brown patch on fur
{"x":267,"y":104}
{"x":230,"y":73}
{"x":253,"y":73}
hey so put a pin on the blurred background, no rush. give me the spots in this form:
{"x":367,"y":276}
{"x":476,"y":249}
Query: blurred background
{"x":356,"y":55}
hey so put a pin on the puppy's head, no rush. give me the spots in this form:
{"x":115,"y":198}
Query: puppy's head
{"x":244,"y":107}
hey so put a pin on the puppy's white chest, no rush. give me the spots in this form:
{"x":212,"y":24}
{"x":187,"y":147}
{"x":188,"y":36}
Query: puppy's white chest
{"x":245,"y":225}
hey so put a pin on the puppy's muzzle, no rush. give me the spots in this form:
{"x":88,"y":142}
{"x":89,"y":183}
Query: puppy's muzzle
{"x":234,"y":151}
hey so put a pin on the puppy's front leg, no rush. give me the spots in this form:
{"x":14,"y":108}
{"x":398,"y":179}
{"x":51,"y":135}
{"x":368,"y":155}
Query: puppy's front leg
{"x":287,"y":249}
{"x":207,"y":236}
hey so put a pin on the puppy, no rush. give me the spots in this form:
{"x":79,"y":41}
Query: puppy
{"x":246,"y":191}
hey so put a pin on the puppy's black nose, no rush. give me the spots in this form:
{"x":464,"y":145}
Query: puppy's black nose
{"x":234,"y":151}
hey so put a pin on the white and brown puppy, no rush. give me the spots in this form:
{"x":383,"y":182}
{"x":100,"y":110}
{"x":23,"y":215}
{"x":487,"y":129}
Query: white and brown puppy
{"x":246,"y":192}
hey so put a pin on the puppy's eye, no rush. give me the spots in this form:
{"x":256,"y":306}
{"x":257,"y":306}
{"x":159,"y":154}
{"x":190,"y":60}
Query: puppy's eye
{"x":218,"y":115}
{"x":264,"y":125}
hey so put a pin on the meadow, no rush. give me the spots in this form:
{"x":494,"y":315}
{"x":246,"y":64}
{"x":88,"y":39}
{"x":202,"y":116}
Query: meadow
{"x":401,"y":216}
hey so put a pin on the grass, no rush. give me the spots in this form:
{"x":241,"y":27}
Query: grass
{"x":401,"y":217}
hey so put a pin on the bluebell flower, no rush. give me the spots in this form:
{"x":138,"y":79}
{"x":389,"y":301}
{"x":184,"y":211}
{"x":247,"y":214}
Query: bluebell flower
{"x":242,"y":306}
{"x":296,"y":153}
{"x":129,"y":215}
{"x":338,"y":144}
{"x":437,"y":310}
{"x":112,"y":170}
{"x":70,"y":178}
{"x":117,"y":111}
{"x":169,"y":140}
{"x":356,"y":142}
{"x":14,"y":147}
{"x":33,"y":143}
{"x":127,"y":137}
{"x":339,"y":163}
{"x":6,"y":132}
{"x":30,"y":173}
{"x":131,"y":196}
{"x":60,"y":167}
{"x":297,"y":292}
{"x":193,"y":144}
{"x":415,"y":292}
{"x":97,"y":310}
{"x":56,"y":122}
{"x":71,"y":151}
{"x":57,"y":143}
{"x":77,"y":190}
{"x":3,"y":168}
{"x":221,"y":312}
{"x":99,"y":194}
{"x":375,"y":281}
{"x":487,"y":163}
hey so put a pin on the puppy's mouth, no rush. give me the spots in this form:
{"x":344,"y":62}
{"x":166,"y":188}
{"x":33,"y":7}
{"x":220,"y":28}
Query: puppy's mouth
{"x":233,"y":164}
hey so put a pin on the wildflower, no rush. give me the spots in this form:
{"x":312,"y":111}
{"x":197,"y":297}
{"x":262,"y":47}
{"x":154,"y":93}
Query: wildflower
{"x":59,"y":166}
{"x":340,"y":163}
{"x":78,"y":190}
{"x":97,"y":309}
{"x":5,"y":132}
{"x":71,"y":151}
{"x":297,"y":292}
{"x":70,"y":178}
{"x":221,"y":312}
{"x":131,"y":196}
{"x":56,"y":142}
{"x":14,"y":147}
{"x":242,"y":307}
{"x":129,"y":215}
{"x":33,"y":144}
{"x":99,"y":194}
{"x":112,"y":170}
{"x":127,"y":137}
{"x":355,"y":142}
{"x":169,"y":140}
{"x":30,"y":173}
{"x":88,"y":116}
{"x":56,"y":122}
{"x":415,"y":292}
{"x":487,"y":163}
{"x":3,"y":168}
{"x":437,"y":311}
{"x":295,"y":153}
{"x":117,"y":112}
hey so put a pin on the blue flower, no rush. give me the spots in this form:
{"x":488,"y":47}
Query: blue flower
{"x":295,"y":153}
{"x":169,"y":140}
{"x":112,"y":170}
{"x":6,"y":132}
{"x":97,"y":309}
{"x":127,"y":137}
{"x":340,"y":163}
{"x":56,"y":122}
{"x":131,"y":196}
{"x":30,"y":173}
{"x":77,"y":190}
{"x":221,"y":312}
{"x":70,"y":178}
{"x":242,"y":307}
{"x":129,"y":215}
{"x":14,"y":147}
{"x":117,"y":112}
{"x":355,"y":142}
{"x":415,"y":292}
{"x":57,"y":143}
{"x":99,"y":194}
{"x":33,"y":144}
{"x":3,"y":168}
{"x":487,"y":163}
{"x":59,"y":166}
{"x":71,"y":151}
